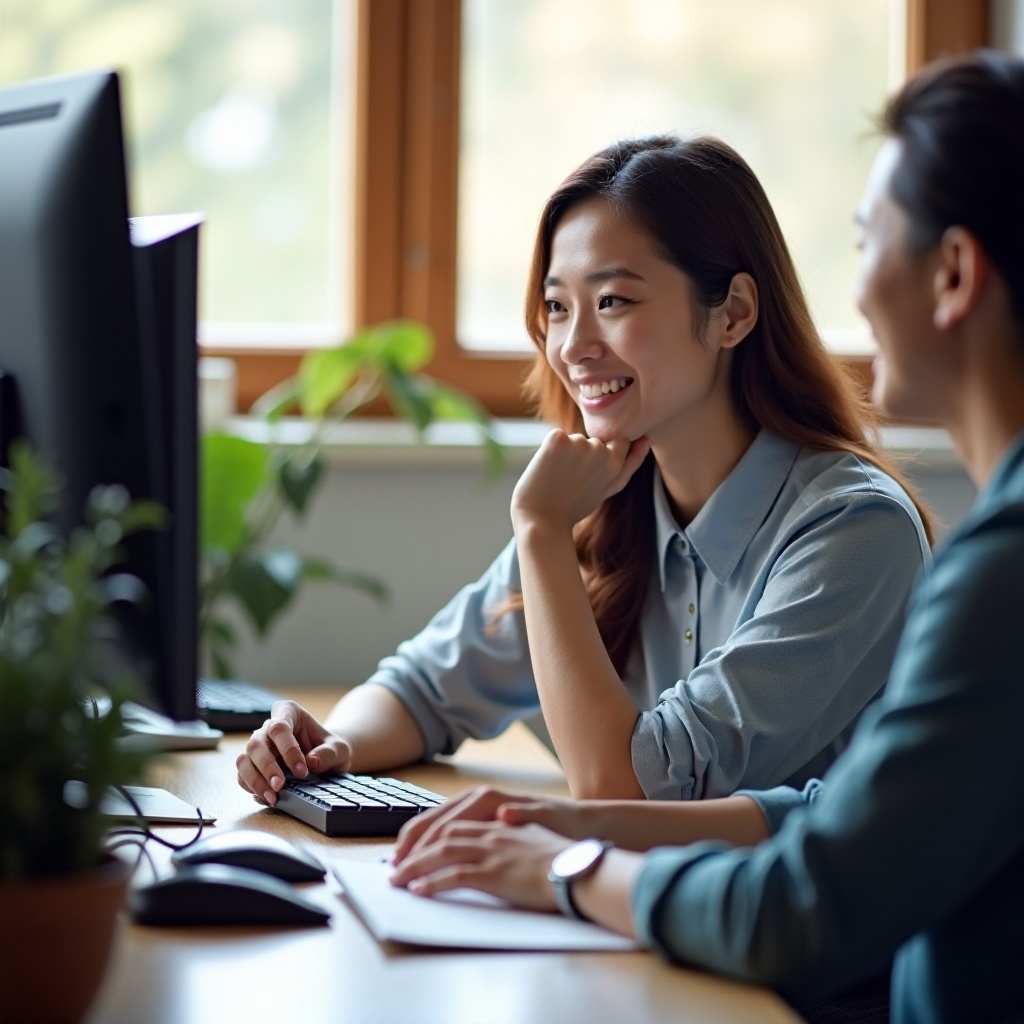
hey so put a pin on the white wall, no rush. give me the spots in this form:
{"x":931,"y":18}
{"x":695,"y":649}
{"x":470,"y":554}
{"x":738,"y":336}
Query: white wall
{"x":423,"y":532}
{"x":426,"y":526}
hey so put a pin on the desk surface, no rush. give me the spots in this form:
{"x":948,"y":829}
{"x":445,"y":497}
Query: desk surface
{"x":341,"y":973}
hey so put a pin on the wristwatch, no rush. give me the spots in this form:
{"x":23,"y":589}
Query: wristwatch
{"x":573,"y":863}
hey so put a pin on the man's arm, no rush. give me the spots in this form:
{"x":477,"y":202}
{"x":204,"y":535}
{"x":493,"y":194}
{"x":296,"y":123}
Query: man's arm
{"x":915,"y":818}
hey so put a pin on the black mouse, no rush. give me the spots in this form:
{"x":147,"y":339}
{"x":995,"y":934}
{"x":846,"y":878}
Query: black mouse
{"x":259,"y":851}
{"x":222,"y":894}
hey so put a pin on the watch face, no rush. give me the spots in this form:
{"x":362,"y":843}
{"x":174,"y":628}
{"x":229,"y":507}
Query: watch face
{"x":575,"y":859}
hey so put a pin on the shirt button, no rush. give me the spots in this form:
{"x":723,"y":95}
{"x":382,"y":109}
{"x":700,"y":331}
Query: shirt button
{"x":688,"y":636}
{"x":691,"y":608}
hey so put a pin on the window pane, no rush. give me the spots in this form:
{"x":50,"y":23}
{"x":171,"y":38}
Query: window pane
{"x":791,"y":84}
{"x":239,"y":109}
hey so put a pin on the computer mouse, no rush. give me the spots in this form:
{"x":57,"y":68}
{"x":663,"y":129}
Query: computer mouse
{"x":222,"y":894}
{"x":256,"y":850}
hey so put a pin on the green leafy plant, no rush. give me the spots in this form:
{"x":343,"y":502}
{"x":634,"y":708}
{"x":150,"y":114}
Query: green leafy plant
{"x":246,"y":487}
{"x":57,"y":754}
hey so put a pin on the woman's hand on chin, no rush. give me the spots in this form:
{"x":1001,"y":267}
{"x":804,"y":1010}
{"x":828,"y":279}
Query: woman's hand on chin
{"x":571,"y":475}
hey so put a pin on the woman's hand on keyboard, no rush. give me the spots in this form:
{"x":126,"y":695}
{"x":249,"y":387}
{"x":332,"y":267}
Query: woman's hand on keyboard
{"x":566,"y":817}
{"x":292,"y":740}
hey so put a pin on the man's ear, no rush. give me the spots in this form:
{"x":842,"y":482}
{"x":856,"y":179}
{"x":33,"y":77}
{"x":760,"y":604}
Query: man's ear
{"x":739,"y":311}
{"x":960,"y":277}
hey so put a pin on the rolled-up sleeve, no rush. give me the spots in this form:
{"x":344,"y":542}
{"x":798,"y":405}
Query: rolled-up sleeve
{"x":813,"y":647}
{"x":467,"y":674}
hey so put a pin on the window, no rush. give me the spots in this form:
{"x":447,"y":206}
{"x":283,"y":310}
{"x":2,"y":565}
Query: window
{"x":375,"y":154}
{"x":242,"y":111}
{"x":408,"y":154}
{"x":545,"y":83}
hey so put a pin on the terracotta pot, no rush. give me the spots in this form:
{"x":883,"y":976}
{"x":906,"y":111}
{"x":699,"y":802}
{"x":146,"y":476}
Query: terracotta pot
{"x":56,"y":935}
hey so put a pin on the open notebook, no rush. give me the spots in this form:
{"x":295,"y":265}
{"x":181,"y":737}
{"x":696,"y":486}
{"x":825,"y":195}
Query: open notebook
{"x":462,"y":919}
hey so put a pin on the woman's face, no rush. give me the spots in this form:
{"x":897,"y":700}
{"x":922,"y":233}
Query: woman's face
{"x":620,"y":331}
{"x":895,"y":293}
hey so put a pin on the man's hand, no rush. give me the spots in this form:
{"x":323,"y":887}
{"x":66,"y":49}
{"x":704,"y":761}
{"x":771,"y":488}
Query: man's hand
{"x":566,"y":817}
{"x":509,"y":862}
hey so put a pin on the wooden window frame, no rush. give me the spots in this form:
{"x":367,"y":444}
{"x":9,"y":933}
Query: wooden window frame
{"x":406,"y":184}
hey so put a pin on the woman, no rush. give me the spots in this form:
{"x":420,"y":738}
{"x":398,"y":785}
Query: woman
{"x":711,"y":585}
{"x":913,"y":844}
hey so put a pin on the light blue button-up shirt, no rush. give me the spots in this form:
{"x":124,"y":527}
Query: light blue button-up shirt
{"x":770,"y":622}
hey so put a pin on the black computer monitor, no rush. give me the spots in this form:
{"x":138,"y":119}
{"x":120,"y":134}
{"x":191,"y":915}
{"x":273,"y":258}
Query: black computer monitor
{"x":98,"y":337}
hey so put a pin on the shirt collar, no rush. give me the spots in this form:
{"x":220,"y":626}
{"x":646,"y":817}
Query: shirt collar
{"x":725,"y":526}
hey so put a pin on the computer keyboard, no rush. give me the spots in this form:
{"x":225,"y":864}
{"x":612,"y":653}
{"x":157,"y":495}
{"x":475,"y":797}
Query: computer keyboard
{"x":354,"y":805}
{"x":234,"y":705}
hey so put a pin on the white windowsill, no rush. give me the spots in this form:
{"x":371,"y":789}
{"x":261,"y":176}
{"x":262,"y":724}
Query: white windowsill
{"x":393,"y":443}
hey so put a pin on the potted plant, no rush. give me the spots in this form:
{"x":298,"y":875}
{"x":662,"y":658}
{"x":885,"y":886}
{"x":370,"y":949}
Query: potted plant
{"x":59,"y":892}
{"x":247,"y":487}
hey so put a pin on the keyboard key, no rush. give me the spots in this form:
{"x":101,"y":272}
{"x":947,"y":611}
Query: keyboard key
{"x":234,"y":705}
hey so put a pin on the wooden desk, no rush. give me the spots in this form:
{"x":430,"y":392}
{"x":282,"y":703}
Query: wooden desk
{"x":341,"y":973}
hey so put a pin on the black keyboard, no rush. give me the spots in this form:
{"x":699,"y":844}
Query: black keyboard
{"x":354,"y":805}
{"x":234,"y":705}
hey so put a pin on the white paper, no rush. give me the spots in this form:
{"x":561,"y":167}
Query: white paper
{"x":462,"y":919}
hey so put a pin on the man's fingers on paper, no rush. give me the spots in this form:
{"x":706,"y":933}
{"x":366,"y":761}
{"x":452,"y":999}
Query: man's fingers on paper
{"x":407,"y":835}
{"x":479,"y":804}
{"x":508,"y":862}
{"x":444,"y":853}
{"x":418,"y":832}
{"x":455,"y":876}
{"x":411,"y":833}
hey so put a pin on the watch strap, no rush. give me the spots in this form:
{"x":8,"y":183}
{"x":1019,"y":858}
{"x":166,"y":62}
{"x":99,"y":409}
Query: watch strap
{"x":563,"y":897}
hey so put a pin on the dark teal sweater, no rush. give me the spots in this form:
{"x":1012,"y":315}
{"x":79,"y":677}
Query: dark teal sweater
{"x":912,"y":847}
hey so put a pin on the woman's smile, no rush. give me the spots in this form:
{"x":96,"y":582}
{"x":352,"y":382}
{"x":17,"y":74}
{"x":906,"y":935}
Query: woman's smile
{"x":621,"y":329}
{"x":592,"y":391}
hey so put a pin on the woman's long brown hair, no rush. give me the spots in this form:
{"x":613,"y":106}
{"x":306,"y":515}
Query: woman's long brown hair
{"x":709,"y":216}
